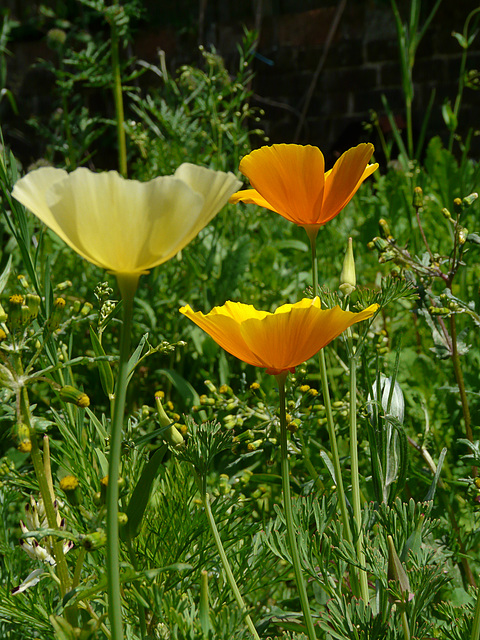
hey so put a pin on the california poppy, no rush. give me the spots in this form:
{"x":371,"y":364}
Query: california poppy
{"x":125,"y":226}
{"x":290,"y":179}
{"x":278,"y":341}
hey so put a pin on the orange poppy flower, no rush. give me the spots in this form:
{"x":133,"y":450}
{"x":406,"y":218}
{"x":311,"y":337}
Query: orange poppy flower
{"x":290,"y":179}
{"x":278,"y":341}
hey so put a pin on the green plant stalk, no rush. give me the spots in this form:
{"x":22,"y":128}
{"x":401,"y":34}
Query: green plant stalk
{"x":128,"y":285}
{"x":461,"y":77}
{"x":118,"y":97}
{"x":328,"y":408}
{"x":62,"y":568}
{"x":457,"y":368}
{"x":226,"y":564}
{"x":357,"y":510}
{"x":406,"y":630}
{"x":287,"y":505}
{"x":476,"y":619}
{"x":140,"y":607}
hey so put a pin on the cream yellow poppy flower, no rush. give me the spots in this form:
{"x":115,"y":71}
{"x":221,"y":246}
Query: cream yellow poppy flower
{"x":125,"y":226}
{"x":277,"y":341}
{"x":290,"y":179}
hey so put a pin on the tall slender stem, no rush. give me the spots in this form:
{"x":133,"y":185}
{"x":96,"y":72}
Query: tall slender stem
{"x":38,"y":465}
{"x":226,"y":564}
{"x":476,"y":619}
{"x":118,"y":97}
{"x":328,"y":407}
{"x":287,"y":505}
{"x":457,"y":368}
{"x":128,"y":285}
{"x":357,"y":510}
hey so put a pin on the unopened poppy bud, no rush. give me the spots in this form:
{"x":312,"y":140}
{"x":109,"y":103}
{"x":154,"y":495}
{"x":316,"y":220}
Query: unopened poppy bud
{"x":69,"y":485}
{"x":74,"y":396}
{"x":397,"y":573}
{"x":446,"y":213}
{"x":397,"y":404}
{"x":418,"y":197}
{"x":56,"y":315}
{"x":348,"y":280}
{"x":170,"y":433}
{"x":94,"y":540}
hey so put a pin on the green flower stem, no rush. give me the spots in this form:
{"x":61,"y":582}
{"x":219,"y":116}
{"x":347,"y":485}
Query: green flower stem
{"x":79,"y":567}
{"x":476,"y":619}
{"x":226,"y":565}
{"x":406,"y":629}
{"x":128,"y":285}
{"x":140,"y":607}
{"x":118,"y":97}
{"x":37,"y":460}
{"x":328,"y":409}
{"x":357,"y":510}
{"x":457,"y":368}
{"x":287,"y":504}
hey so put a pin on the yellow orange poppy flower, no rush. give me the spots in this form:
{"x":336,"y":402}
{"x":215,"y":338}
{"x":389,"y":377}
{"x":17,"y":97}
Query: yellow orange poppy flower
{"x":125,"y":226}
{"x":278,"y":341}
{"x":290,"y":179}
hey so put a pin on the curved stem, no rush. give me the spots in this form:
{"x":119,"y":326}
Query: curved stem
{"x":287,"y":505}
{"x":226,"y":565}
{"x":128,"y":285}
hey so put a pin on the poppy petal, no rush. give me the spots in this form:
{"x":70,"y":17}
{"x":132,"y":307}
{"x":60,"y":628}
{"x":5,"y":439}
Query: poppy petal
{"x":290,"y":178}
{"x":343,"y":181}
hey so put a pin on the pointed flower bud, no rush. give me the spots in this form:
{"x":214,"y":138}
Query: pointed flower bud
{"x":397,"y":405}
{"x":170,"y":433}
{"x":348,"y":280}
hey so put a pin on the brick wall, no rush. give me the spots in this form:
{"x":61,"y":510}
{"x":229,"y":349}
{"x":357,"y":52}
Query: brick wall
{"x":360,"y":66}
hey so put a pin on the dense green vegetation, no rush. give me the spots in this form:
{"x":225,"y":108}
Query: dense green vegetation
{"x":416,"y":236}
